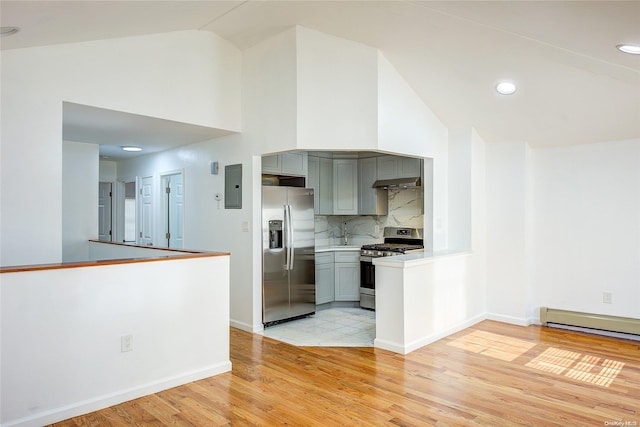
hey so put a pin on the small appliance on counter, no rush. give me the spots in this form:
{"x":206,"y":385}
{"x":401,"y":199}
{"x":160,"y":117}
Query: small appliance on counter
{"x":397,"y":241}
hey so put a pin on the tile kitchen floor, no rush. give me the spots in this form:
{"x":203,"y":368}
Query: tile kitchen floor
{"x":333,"y":327}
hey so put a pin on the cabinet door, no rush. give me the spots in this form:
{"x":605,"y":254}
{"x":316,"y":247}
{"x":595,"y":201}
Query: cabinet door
{"x":347,"y":277}
{"x":271,"y":164}
{"x":371,"y":201}
{"x":294,"y":164}
{"x":313,"y":181}
{"x":408,"y":167}
{"x":387,"y":167}
{"x":325,"y":283}
{"x":326,"y":187}
{"x":345,"y":187}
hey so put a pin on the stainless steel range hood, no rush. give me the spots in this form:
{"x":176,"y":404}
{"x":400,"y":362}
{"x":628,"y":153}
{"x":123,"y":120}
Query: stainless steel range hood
{"x":411,"y":182}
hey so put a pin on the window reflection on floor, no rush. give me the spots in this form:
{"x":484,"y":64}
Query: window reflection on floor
{"x":493,"y":345}
{"x":577,"y":366}
{"x":558,"y":361}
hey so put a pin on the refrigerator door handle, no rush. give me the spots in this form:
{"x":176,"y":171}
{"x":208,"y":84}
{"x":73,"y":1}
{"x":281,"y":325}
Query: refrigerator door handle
{"x":291,"y":236}
{"x":285,"y":230}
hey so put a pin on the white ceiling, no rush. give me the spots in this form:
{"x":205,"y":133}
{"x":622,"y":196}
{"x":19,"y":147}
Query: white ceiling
{"x":574,"y":87}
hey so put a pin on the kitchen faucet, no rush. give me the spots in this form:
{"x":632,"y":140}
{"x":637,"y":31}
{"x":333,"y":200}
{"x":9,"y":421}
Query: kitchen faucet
{"x":344,"y":232}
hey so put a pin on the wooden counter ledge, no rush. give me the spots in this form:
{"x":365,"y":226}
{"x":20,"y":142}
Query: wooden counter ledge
{"x":180,"y":254}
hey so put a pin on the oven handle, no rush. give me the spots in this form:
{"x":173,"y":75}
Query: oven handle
{"x":366,"y":259}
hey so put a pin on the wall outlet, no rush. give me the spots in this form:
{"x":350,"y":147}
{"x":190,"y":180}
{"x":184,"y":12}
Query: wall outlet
{"x":126,"y":343}
{"x":607,"y":298}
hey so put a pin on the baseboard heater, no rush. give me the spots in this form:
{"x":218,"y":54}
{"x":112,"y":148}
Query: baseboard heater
{"x":602,"y":322}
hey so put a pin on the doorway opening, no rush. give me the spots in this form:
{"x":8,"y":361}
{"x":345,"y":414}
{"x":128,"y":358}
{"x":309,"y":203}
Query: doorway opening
{"x":173,"y":210}
{"x":129,"y":213}
{"x":105,"y":211}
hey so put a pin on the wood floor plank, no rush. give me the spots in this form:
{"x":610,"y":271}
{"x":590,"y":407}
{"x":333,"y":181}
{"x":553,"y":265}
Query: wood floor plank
{"x":487,"y":375}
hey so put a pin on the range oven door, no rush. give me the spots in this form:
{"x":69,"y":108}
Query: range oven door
{"x":367,"y":283}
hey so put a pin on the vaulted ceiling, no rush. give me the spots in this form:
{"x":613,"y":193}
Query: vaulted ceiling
{"x":574,"y":86}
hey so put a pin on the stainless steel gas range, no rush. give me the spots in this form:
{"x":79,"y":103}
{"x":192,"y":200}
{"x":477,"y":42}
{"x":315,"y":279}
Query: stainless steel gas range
{"x":397,"y":241}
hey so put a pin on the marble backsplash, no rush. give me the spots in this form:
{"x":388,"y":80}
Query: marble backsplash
{"x":405,"y":210}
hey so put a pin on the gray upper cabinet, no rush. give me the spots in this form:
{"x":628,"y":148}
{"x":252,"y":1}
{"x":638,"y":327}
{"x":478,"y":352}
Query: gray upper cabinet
{"x":294,"y":164}
{"x":326,"y":186}
{"x":313,"y":178}
{"x":345,"y":186}
{"x":391,"y":167}
{"x":272,"y":164}
{"x":371,"y":201}
{"x":409,"y":167}
{"x":320,"y":178}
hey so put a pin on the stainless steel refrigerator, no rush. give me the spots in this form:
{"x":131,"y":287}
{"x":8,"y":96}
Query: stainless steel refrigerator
{"x":288,"y":254}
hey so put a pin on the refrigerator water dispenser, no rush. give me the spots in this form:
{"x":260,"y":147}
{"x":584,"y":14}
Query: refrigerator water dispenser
{"x":275,"y":234}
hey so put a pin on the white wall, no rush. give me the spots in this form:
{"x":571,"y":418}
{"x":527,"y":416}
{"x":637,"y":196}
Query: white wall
{"x":337,"y":97}
{"x":79,"y":199}
{"x":440,"y":201}
{"x":459,"y":189}
{"x":509,"y":211}
{"x":269,"y":92}
{"x":62,"y":328}
{"x":108,"y":170}
{"x":405,"y":124}
{"x":207,"y":224}
{"x":188,"y":76}
{"x":563,"y":226}
{"x":586,"y":227}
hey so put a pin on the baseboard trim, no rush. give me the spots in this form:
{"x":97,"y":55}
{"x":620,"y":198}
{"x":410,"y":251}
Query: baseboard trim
{"x":421,"y":342}
{"x":245,"y":326}
{"x":519,"y":321}
{"x":107,"y":400}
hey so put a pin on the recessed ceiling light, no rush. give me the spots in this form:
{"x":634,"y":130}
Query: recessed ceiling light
{"x":131,"y":148}
{"x":629,"y":48}
{"x":506,"y":88}
{"x":8,"y":31}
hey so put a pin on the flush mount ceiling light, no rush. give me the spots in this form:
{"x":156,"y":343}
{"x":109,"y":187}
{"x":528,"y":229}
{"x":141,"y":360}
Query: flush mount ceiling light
{"x":131,"y":148}
{"x":629,"y":48}
{"x":8,"y":31}
{"x":506,"y":88}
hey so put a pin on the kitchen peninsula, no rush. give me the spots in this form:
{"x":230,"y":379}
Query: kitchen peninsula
{"x":422,"y":297}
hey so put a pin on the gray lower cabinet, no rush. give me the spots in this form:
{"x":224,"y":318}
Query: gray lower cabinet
{"x":325,"y":278}
{"x":347,"y":276}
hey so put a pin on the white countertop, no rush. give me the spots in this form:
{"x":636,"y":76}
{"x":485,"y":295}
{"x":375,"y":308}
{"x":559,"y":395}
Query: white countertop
{"x":334,"y":248}
{"x":414,"y":259}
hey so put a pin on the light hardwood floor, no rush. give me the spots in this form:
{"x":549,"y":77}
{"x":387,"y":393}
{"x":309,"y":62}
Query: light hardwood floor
{"x":492,"y":374}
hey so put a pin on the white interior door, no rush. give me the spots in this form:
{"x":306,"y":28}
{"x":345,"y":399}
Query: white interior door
{"x":146,"y":211}
{"x":105,"y":204}
{"x":174,"y":210}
